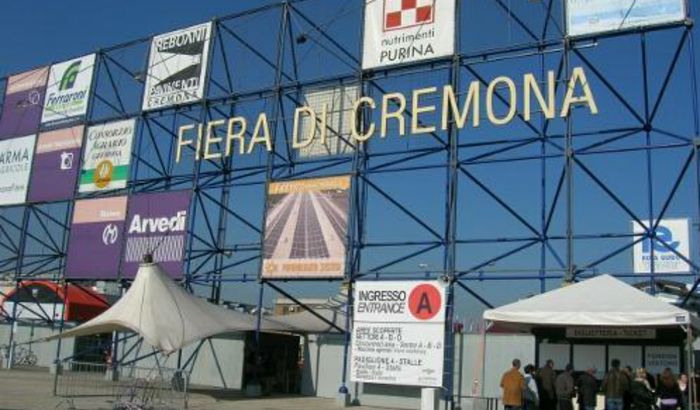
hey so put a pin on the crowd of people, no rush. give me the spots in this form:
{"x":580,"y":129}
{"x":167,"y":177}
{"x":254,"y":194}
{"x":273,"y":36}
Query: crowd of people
{"x":624,"y":388}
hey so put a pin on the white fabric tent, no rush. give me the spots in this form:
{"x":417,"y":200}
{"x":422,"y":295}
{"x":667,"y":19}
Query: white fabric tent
{"x":599,"y":301}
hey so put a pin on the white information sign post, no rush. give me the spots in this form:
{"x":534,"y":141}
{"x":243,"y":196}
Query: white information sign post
{"x":398,"y":335}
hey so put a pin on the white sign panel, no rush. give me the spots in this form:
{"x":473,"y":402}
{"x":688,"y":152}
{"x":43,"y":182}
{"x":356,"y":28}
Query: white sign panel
{"x":107,"y":156}
{"x":16,"y":156}
{"x":177,"y":67}
{"x":675,"y":233}
{"x":609,"y":333}
{"x":68,"y":90}
{"x":596,"y":16}
{"x":398,"y":335}
{"x":404,"y":31}
{"x":657,"y":358}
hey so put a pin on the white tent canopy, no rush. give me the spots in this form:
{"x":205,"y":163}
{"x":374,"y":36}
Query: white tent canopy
{"x":599,"y":301}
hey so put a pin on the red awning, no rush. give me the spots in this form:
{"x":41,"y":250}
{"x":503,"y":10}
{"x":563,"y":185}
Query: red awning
{"x":81,"y":303}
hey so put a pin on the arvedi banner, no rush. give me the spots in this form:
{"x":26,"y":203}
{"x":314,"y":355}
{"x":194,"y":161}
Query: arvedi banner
{"x":596,"y":16}
{"x":15,"y":166}
{"x":671,"y":235}
{"x":306,"y":227}
{"x":157,"y":225}
{"x":24,"y":97}
{"x":177,"y":67}
{"x":405,"y":31}
{"x":96,"y":238}
{"x":56,"y":165}
{"x":107,"y":156}
{"x":68,"y":90}
{"x":398,"y":334}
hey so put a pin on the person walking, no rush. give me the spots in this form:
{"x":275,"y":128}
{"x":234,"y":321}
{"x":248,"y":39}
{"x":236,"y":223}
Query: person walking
{"x":513,"y":385}
{"x":587,"y":386}
{"x":564,"y":388}
{"x":615,"y":385}
{"x":685,"y":389}
{"x":531,"y":399}
{"x":670,"y":395}
{"x":548,"y":398}
{"x":642,"y":396}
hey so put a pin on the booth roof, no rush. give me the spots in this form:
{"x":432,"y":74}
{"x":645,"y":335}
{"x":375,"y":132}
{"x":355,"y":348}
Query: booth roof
{"x":599,"y":301}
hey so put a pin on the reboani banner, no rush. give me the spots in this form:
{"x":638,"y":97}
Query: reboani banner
{"x":675,"y":234}
{"x":156,"y":225}
{"x":56,"y":165}
{"x":597,"y":16}
{"x":68,"y":90}
{"x":107,"y":156}
{"x":21,"y":109}
{"x":177,"y":67}
{"x":398,"y":334}
{"x":404,"y":31}
{"x":305,"y":228}
{"x":96,"y":241}
{"x":15,"y":165}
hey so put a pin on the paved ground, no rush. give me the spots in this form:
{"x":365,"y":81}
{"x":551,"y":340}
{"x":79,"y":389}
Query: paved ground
{"x":32,"y":390}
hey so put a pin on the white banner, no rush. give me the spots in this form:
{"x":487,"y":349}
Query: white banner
{"x":107,"y":156}
{"x":610,"y":333}
{"x":398,"y":334}
{"x":16,"y":157}
{"x":596,"y":16}
{"x":657,"y":358}
{"x":68,"y":90}
{"x":675,"y":233}
{"x":404,"y":31}
{"x":177,"y":67}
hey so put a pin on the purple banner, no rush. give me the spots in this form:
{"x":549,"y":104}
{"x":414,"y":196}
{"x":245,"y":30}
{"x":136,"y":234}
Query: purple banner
{"x":96,"y":238}
{"x":156,"y":224}
{"x":24,"y":98}
{"x":56,"y":165}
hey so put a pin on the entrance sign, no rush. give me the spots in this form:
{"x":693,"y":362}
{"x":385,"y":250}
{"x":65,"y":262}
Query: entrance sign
{"x":398,"y":335}
{"x":56,"y":164}
{"x":157,"y":224}
{"x":95,"y":243}
{"x":657,"y":358}
{"x":597,"y":16}
{"x":21,"y":108}
{"x":404,"y":31}
{"x":673,"y":232}
{"x":177,"y":67}
{"x":609,"y":333}
{"x":68,"y":90}
{"x":107,"y":156}
{"x":306,"y":227}
{"x":16,"y":156}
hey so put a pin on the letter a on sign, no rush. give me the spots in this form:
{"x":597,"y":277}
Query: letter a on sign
{"x":424,"y":301}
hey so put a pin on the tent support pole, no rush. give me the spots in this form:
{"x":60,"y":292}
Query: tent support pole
{"x":689,"y":366}
{"x":487,"y":326}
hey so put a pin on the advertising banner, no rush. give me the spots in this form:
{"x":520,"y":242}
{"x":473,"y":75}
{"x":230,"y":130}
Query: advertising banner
{"x":405,"y":31}
{"x":398,"y":334}
{"x":329,"y":134}
{"x":658,"y":358}
{"x":96,"y":242}
{"x":675,"y":233}
{"x":305,"y":228}
{"x":56,"y":164}
{"x":68,"y":90}
{"x":610,"y":333}
{"x":597,"y":16}
{"x":15,"y":165}
{"x":177,"y":67}
{"x":21,"y":109}
{"x":107,"y":156}
{"x":157,"y":224}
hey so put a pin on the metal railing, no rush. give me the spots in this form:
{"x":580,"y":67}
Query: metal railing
{"x":476,"y":403}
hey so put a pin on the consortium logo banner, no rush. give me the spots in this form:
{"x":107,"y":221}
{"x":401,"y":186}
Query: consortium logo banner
{"x":177,"y":67}
{"x":56,"y":164}
{"x":306,"y":227}
{"x":95,"y":244}
{"x":21,"y":109}
{"x":157,"y":224}
{"x":596,"y":16}
{"x":15,"y":164}
{"x":68,"y":90}
{"x":107,"y":156}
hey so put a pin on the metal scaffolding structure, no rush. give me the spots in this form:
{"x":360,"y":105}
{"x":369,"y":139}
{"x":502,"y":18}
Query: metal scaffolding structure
{"x":497,"y":212}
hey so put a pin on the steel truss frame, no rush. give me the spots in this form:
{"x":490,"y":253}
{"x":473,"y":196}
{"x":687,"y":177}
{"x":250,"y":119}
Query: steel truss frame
{"x":224,"y":246}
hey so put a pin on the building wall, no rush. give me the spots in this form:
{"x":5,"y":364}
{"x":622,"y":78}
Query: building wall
{"x":45,"y":351}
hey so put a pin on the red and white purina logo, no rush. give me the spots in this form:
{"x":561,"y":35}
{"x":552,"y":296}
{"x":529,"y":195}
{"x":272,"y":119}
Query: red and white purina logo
{"x":400,"y":14}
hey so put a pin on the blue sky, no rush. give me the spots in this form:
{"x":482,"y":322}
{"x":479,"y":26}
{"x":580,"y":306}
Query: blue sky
{"x":43,"y":32}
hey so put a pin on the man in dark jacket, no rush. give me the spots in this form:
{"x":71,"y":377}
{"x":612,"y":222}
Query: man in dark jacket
{"x":564,"y":387}
{"x":587,"y":389}
{"x":615,"y":385}
{"x":548,"y":398}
